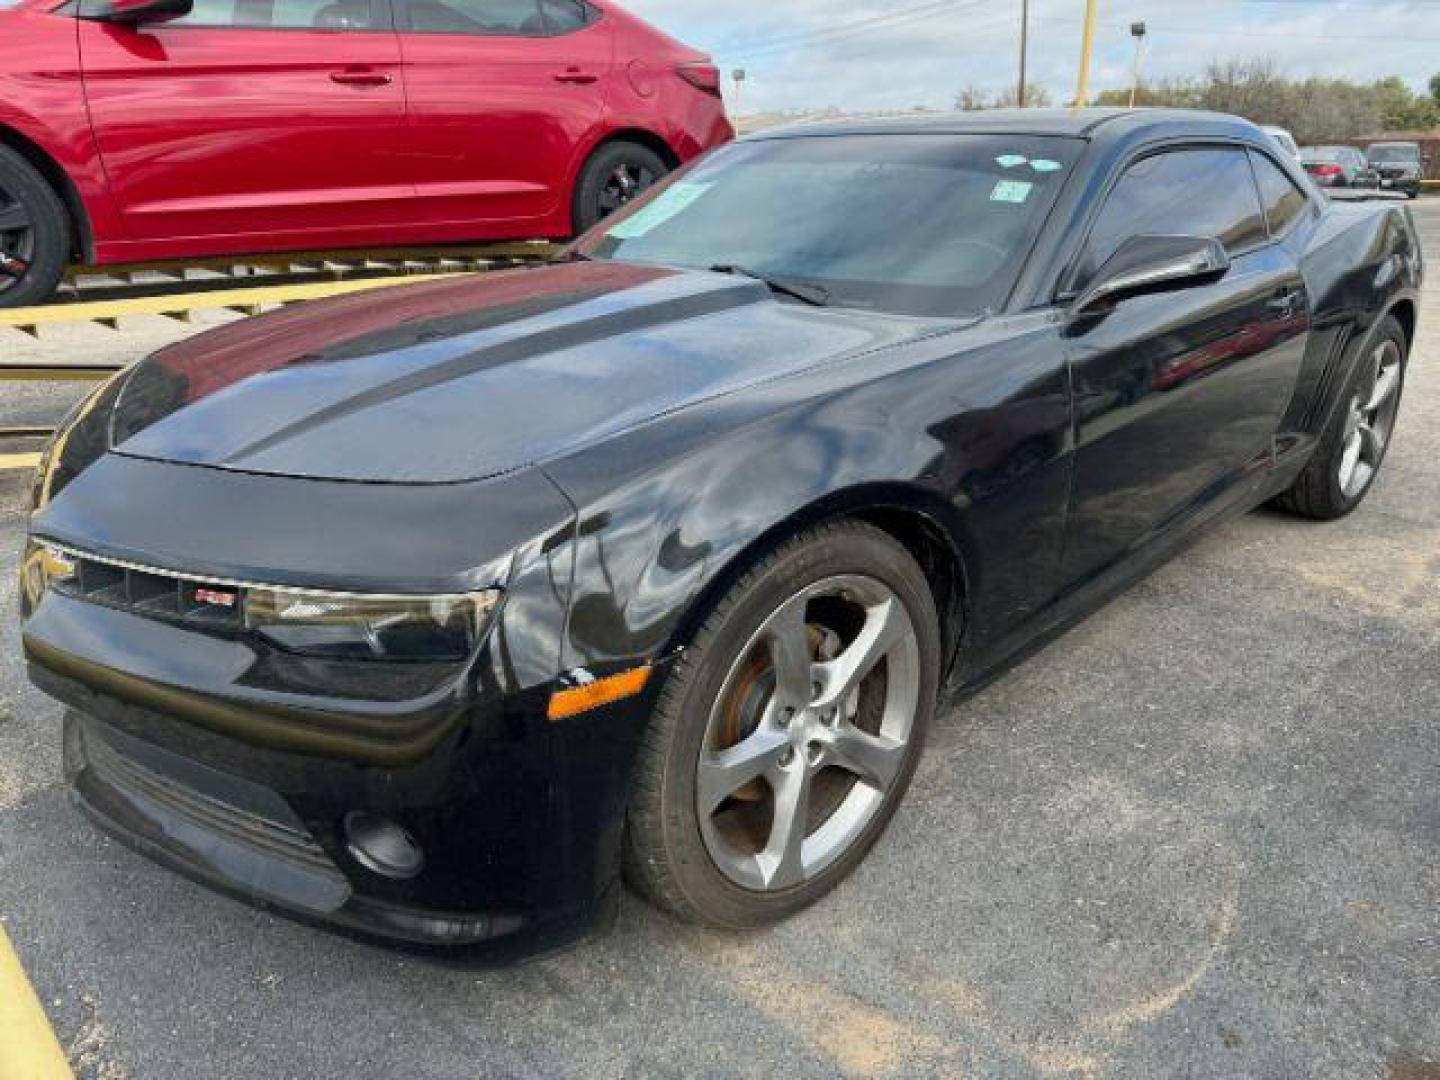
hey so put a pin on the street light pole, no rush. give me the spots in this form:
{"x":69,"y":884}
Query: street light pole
{"x":1024,"y":48}
{"x":1087,"y":42}
{"x":1137,"y":31}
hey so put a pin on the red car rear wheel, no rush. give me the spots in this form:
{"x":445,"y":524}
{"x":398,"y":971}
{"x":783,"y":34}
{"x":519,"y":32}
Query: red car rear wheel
{"x":615,"y":175}
{"x":34,"y":233}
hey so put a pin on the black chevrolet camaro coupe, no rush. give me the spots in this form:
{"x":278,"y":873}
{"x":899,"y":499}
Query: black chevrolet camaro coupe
{"x":427,"y":612}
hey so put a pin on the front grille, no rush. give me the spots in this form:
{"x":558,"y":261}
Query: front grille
{"x":152,"y":593}
{"x":260,"y":834}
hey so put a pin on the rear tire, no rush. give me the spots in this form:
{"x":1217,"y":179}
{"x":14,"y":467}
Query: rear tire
{"x":34,"y":233}
{"x":727,"y":762}
{"x":1345,"y":464}
{"x":616,"y":174}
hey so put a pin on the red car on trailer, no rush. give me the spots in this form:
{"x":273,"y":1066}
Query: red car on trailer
{"x":156,"y":129}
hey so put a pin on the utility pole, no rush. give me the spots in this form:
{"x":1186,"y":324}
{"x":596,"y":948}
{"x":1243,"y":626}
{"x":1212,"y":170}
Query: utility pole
{"x":738,"y":75}
{"x":1024,"y":47}
{"x":1087,"y":42}
{"x":1137,"y":31}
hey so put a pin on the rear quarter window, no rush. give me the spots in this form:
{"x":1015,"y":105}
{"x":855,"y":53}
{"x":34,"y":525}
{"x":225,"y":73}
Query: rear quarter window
{"x":482,"y":18}
{"x":563,"y":16}
{"x":497,"y":18}
{"x":1282,"y":200}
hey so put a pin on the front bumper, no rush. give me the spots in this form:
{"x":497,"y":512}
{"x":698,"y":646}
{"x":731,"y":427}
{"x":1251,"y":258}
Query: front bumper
{"x":1409,"y":185}
{"x":519,"y":817}
{"x":240,"y":838}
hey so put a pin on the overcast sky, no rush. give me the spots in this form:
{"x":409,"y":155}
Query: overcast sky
{"x":886,"y":54}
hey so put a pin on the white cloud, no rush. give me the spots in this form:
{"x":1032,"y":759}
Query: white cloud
{"x":803,"y":54}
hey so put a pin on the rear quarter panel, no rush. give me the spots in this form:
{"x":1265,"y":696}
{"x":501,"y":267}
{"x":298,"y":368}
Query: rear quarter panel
{"x":646,"y":94}
{"x":1359,"y":261}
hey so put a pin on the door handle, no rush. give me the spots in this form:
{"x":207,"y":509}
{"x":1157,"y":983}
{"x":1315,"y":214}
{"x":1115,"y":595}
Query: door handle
{"x":360,"y":78}
{"x":576,"y":77}
{"x":1286,"y":302}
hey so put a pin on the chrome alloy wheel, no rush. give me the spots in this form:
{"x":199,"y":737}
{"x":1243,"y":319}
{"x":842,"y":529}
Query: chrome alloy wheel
{"x":1371,"y":420}
{"x":809,"y":733}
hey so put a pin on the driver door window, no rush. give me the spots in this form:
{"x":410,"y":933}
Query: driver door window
{"x":1194,"y":192}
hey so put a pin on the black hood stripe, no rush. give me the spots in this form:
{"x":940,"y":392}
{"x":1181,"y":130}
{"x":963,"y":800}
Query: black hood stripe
{"x":586,"y":332}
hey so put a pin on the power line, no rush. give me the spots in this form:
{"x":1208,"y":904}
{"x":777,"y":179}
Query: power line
{"x":887,"y":21}
{"x":874,"y":22}
{"x":1192,"y":31}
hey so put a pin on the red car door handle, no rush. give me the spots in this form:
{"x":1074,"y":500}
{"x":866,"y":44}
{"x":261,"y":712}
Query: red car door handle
{"x":360,"y":78}
{"x":576,"y":76}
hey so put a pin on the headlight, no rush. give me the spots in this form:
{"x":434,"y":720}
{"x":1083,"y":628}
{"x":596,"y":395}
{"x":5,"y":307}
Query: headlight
{"x":42,"y":568}
{"x":312,"y":622}
{"x":352,"y":626}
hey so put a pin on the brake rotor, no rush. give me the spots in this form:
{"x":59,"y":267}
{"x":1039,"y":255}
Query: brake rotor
{"x":750,"y":695}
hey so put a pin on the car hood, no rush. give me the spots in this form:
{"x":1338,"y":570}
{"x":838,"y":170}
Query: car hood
{"x":467,"y":378}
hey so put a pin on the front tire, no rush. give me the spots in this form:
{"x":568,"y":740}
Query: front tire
{"x":1340,"y":474}
{"x":34,"y":233}
{"x":615,"y":175}
{"x":787,"y":734}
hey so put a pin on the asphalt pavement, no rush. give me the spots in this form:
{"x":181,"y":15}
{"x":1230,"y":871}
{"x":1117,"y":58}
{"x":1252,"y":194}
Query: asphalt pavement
{"x":1196,"y":836}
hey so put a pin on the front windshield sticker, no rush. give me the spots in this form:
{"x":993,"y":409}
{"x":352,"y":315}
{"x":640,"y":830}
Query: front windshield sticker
{"x":1043,"y":165}
{"x":1011,"y":191}
{"x":1009,"y":161}
{"x":661,"y":209}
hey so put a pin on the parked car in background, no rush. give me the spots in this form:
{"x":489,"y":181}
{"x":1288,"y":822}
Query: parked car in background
{"x":1338,"y":167}
{"x":160,"y":129}
{"x":1401,"y":165}
{"x":1285,"y":139}
{"x":423,"y":613}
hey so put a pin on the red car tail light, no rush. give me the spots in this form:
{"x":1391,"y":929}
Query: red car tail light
{"x":702,"y":75}
{"x":1324,"y":170}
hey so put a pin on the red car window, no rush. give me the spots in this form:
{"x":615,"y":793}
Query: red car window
{"x":502,"y":17}
{"x":286,"y":14}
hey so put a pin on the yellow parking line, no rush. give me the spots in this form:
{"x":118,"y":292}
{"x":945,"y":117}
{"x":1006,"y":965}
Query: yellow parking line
{"x":19,"y":461}
{"x":28,"y":1047}
{"x":57,"y":372}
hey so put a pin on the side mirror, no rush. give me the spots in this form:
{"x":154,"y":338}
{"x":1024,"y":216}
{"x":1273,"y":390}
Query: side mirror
{"x":1147,"y":264}
{"x":135,"y":12}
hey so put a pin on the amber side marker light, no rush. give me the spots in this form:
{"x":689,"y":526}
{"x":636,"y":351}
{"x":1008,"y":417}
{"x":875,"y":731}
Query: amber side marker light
{"x":575,"y":700}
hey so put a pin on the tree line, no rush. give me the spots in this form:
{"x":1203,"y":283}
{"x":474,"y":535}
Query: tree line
{"x":1315,"y":110}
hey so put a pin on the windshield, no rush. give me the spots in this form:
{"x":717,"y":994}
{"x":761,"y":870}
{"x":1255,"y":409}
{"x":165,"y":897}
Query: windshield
{"x":915,"y":224}
{"x":1394,"y":153}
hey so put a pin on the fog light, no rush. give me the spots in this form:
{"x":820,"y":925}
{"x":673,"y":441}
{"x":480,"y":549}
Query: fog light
{"x":382,"y":847}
